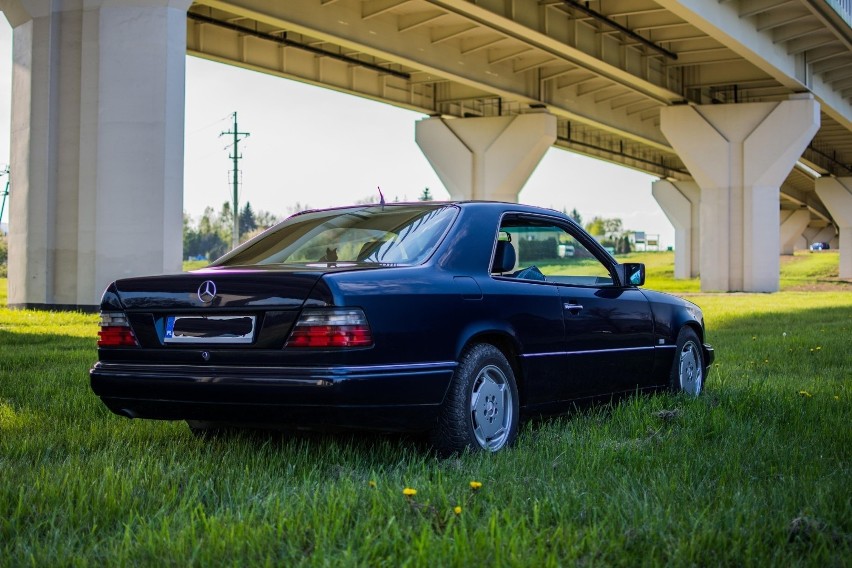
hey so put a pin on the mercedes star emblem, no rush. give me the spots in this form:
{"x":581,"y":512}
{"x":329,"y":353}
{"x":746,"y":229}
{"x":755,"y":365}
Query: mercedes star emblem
{"x":207,"y":291}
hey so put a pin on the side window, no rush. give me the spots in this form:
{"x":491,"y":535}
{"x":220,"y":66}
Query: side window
{"x":547,"y":252}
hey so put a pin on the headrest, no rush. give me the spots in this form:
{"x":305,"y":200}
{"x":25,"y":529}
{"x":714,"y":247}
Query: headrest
{"x":504,"y":258}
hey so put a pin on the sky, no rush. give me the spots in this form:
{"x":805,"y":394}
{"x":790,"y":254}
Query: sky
{"x":318,"y":148}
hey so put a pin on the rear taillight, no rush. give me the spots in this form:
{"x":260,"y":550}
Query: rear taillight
{"x":331,"y":328}
{"x":115,"y":331}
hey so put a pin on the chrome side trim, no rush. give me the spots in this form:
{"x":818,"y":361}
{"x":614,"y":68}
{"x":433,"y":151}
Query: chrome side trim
{"x":587,"y":352}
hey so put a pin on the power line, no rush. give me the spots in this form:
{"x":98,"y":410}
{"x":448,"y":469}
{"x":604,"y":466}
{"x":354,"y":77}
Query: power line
{"x":236,"y":157}
{"x":211,"y":125}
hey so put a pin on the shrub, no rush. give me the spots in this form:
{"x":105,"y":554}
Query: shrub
{"x":4,"y":255}
{"x":537,"y":250}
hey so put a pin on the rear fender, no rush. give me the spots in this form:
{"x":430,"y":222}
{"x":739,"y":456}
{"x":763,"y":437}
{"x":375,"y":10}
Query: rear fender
{"x":493,"y":332}
{"x":499,"y":335}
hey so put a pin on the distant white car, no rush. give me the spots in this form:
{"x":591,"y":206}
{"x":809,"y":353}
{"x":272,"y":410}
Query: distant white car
{"x":820,"y":246}
{"x":565,"y":251}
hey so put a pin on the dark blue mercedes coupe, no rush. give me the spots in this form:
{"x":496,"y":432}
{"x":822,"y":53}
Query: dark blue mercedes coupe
{"x":454,"y":319}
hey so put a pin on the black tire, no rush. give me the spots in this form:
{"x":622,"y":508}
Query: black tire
{"x":481,"y":410}
{"x":687,"y":374}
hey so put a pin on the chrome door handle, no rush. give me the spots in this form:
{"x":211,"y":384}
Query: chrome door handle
{"x":572,"y":307}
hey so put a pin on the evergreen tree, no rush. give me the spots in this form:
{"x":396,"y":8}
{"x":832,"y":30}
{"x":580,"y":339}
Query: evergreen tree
{"x":574,"y":214}
{"x":248,"y":222}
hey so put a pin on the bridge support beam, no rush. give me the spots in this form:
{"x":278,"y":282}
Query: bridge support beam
{"x":487,"y":158}
{"x":97,"y":146}
{"x":836,"y":194}
{"x":740,"y":154}
{"x":793,"y":224}
{"x":680,"y":201}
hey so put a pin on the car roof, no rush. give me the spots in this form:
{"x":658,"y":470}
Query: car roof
{"x":464,"y":204}
{"x":459,"y":202}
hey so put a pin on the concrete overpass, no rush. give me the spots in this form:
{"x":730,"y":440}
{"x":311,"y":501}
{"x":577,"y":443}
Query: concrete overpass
{"x":742,"y":108}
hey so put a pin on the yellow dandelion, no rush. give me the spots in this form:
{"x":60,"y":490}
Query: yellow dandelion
{"x":753,"y":337}
{"x":457,"y":510}
{"x":836,"y":397}
{"x":475,"y":485}
{"x":818,"y":348}
{"x":409,"y":492}
{"x":805,"y":394}
{"x":372,"y":484}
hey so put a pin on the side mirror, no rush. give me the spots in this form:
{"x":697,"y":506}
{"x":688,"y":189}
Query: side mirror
{"x":632,"y":273}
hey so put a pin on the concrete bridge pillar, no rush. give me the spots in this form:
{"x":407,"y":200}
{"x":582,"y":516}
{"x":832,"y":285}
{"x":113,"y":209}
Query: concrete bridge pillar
{"x":680,"y":202}
{"x":739,"y":154}
{"x":836,"y":194}
{"x":487,"y":158}
{"x":97,"y":146}
{"x":793,"y":224}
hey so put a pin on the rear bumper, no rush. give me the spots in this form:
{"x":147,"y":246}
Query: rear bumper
{"x":386,"y":397}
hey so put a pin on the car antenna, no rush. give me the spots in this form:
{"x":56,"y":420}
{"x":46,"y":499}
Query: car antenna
{"x":381,"y":196}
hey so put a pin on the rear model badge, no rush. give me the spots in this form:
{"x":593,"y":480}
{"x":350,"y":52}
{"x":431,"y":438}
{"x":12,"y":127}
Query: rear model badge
{"x":207,"y":291}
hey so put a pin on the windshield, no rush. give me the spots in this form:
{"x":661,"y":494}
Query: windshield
{"x":391,"y":234}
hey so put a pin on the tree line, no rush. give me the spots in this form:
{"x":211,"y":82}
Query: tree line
{"x":609,"y":231}
{"x":209,"y":237}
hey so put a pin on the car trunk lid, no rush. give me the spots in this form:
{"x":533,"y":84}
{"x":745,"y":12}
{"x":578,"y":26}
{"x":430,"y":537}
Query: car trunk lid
{"x":230,"y":289}
{"x":216,"y":308}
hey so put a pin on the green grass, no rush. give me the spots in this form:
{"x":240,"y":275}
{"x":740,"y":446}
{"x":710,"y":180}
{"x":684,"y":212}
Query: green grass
{"x":189,"y":265}
{"x":755,"y":472}
{"x":804,"y":270}
{"x":659,"y":272}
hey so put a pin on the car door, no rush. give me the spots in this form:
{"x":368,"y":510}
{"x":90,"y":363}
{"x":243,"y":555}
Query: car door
{"x":608,"y":342}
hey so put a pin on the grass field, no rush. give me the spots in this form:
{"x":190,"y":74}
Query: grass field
{"x":756,"y":472}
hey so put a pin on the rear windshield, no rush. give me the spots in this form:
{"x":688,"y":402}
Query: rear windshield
{"x":391,"y":234}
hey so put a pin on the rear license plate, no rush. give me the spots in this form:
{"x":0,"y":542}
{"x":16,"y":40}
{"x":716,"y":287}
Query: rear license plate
{"x":210,"y":329}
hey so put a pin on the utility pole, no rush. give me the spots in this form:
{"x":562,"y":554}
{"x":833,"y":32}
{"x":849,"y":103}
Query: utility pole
{"x":236,"y":156}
